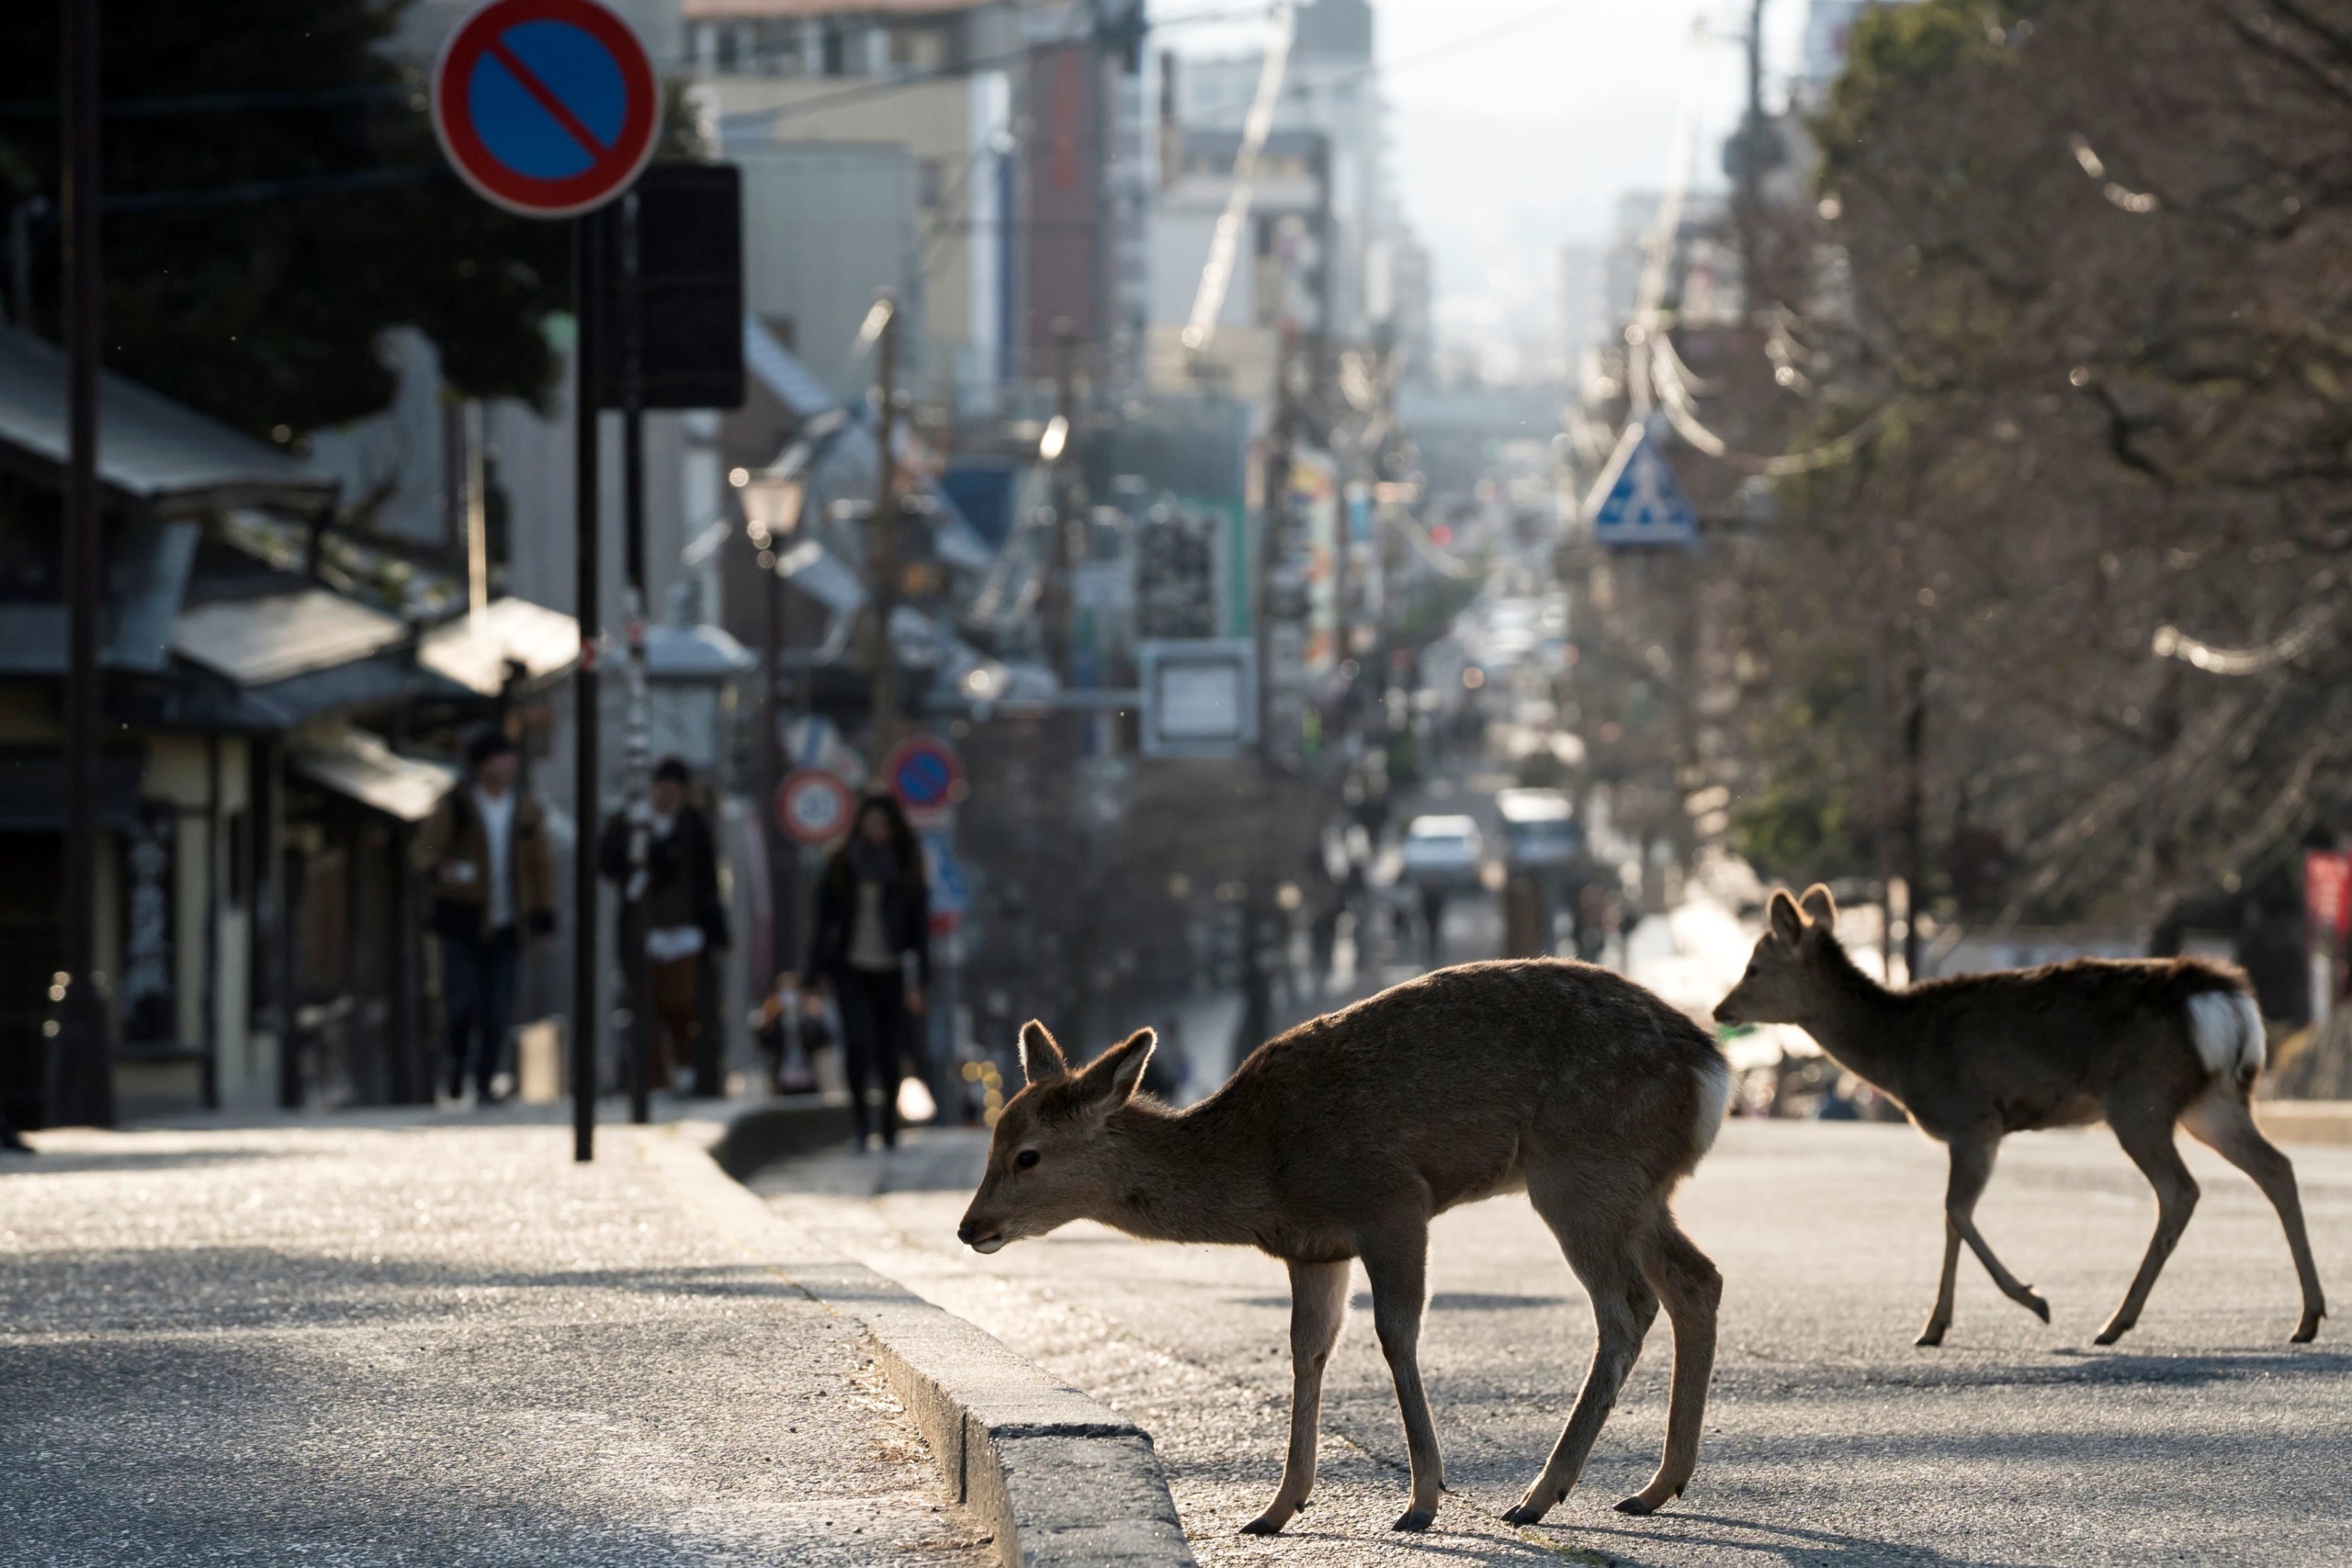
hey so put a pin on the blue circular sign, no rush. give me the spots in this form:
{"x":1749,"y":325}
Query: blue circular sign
{"x":923,"y":773}
{"x":546,"y":107}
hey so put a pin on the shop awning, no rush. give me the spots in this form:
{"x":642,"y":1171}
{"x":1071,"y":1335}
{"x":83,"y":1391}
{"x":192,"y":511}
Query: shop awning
{"x":169,"y":459}
{"x":475,"y":649}
{"x":364,"y":768}
{"x":257,"y":642}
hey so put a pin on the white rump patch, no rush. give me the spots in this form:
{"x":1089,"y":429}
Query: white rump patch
{"x":2226,"y":1029}
{"x":1714,"y":1098}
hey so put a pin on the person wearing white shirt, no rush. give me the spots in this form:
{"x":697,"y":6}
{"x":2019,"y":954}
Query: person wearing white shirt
{"x":485,"y":852}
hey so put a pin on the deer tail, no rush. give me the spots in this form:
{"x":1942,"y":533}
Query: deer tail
{"x":1714,"y":1098}
{"x":2226,"y":1029}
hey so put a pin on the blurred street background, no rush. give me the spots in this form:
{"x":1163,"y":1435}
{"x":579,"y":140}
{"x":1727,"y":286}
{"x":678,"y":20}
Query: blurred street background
{"x":1281,"y":498}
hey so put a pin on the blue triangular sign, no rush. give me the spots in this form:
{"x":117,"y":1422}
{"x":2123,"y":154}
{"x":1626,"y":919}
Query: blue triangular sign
{"x":1637,"y":499}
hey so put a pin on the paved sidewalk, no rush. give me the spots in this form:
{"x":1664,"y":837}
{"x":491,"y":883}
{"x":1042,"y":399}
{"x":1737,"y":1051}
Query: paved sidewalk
{"x":386,"y":1343}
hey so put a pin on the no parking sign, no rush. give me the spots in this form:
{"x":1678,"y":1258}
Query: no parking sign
{"x":926,"y":775}
{"x":546,"y":107}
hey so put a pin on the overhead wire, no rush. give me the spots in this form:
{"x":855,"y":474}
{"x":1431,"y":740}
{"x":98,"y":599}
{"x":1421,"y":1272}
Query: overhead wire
{"x":1224,"y":241}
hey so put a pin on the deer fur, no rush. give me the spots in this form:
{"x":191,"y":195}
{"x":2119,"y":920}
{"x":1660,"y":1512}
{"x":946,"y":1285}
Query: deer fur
{"x":1342,"y":1138}
{"x":2142,"y":1045}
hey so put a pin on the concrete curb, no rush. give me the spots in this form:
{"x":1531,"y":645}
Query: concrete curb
{"x":780,"y":1128}
{"x":2306,"y":1120}
{"x":1063,"y":1482}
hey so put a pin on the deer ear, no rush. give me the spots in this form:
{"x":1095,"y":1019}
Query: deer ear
{"x":1820,"y":908}
{"x":1112,"y":1078}
{"x":1041,"y":1060}
{"x":1787,"y":924}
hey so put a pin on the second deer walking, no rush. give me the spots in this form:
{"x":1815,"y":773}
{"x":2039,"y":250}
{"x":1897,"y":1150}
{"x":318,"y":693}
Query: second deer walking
{"x":2143,"y":1045}
{"x":1342,"y":1138}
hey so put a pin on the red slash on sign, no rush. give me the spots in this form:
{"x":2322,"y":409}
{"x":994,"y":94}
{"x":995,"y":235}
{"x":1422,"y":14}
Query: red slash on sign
{"x":546,"y":107}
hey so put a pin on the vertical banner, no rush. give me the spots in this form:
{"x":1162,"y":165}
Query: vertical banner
{"x":150,"y":991}
{"x":1315,"y":501}
{"x":2327,"y":921}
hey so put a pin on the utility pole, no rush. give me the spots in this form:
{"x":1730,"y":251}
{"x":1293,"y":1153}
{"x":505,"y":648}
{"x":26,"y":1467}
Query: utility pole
{"x":1059,"y":598}
{"x":1914,"y":747}
{"x":588,"y":245}
{"x":882,"y":546}
{"x":81,"y":1072}
{"x":1747,"y":191}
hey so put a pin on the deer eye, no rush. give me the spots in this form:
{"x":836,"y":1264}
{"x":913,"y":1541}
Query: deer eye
{"x":1026,"y":1159}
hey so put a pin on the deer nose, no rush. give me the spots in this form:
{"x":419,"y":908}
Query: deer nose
{"x":966,"y":1232}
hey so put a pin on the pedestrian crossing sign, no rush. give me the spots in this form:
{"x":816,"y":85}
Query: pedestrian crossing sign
{"x":1637,"y":499}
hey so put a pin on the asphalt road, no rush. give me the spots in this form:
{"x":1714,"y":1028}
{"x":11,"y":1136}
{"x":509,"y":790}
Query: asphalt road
{"x":424,"y":1345}
{"x":2203,"y":1438}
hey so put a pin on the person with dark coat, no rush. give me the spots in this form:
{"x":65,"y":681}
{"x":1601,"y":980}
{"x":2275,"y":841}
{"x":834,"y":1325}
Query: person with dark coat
{"x":492,"y":870}
{"x":684,"y":915}
{"x":873,"y":926}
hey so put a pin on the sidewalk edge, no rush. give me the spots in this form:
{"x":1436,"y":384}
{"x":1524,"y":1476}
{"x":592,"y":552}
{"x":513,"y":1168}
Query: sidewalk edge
{"x":1062,"y":1480}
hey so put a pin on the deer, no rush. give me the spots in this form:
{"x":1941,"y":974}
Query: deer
{"x":1340,"y":1140}
{"x":2144,"y":1044}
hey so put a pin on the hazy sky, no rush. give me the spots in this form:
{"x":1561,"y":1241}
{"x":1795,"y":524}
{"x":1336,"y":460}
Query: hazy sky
{"x":1515,"y":124}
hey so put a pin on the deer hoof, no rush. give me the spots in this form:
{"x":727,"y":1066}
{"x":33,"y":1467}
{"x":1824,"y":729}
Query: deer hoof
{"x":1525,"y":1514}
{"x":1264,"y":1523}
{"x":1932,"y":1335}
{"x":1637,"y":1504}
{"x":2307,"y":1330}
{"x":2111,"y":1332}
{"x":2032,"y":1303}
{"x":1414,"y":1519}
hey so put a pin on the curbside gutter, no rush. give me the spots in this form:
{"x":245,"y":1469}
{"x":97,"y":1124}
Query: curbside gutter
{"x":1063,"y":1480}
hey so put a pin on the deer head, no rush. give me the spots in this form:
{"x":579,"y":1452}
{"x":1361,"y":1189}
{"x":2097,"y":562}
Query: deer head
{"x":1778,"y":983}
{"x":1049,"y":1162}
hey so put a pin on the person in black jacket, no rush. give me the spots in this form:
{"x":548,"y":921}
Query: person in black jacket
{"x":684,"y":915}
{"x":873,"y":917}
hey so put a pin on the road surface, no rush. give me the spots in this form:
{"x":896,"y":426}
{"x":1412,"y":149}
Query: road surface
{"x":2203,"y":1438}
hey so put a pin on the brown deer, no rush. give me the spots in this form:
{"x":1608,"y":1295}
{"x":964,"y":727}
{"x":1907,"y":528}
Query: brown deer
{"x":1342,"y":1138}
{"x":2139,"y":1043}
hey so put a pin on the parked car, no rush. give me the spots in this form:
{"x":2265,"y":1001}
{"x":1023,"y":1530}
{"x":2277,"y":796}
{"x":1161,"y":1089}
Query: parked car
{"x":1541,"y":833}
{"x":1443,"y":851}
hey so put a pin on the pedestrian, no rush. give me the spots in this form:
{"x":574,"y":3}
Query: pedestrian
{"x":790,"y":1026}
{"x":872,"y":946}
{"x":683,"y":917}
{"x":485,"y":853}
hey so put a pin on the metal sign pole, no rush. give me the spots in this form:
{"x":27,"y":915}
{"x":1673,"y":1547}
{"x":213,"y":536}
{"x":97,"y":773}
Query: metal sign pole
{"x":636,"y":743}
{"x":81,"y":1076}
{"x":588,"y":566}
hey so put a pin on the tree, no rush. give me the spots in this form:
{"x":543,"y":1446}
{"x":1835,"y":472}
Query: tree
{"x":277,"y":201}
{"x":2092,"y":262}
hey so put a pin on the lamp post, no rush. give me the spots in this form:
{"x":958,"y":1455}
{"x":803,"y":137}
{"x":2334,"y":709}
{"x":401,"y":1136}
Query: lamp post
{"x":770,"y":512}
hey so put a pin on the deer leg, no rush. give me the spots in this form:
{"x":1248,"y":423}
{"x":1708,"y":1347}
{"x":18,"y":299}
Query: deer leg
{"x":2151,"y":1147}
{"x":1972,"y":1167}
{"x":1624,"y":1307}
{"x":1397,"y":1267}
{"x":1318,"y":1305}
{"x":2224,"y":1122}
{"x":1940,"y":1315}
{"x":1691,"y":1288}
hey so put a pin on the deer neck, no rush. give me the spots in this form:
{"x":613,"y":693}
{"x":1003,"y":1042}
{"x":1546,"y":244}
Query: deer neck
{"x":1853,"y":1018}
{"x":1181,"y":1175}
